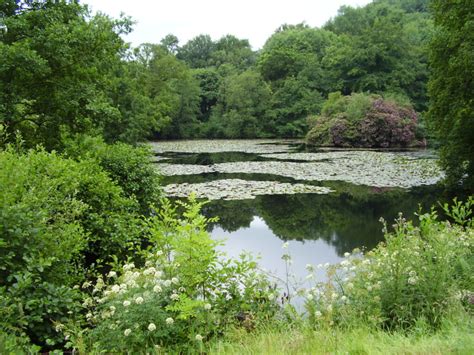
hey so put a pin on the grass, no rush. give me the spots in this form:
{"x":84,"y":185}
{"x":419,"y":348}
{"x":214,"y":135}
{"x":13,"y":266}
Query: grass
{"x":450,"y":339}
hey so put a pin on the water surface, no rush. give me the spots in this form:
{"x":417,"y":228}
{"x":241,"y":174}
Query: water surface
{"x":319,"y":228}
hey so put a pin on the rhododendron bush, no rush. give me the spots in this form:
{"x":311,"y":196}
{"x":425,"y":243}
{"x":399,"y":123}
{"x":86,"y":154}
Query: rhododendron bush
{"x":367,"y":121}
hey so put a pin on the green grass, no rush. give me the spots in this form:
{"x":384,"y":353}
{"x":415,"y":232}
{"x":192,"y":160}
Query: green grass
{"x":451,"y":339}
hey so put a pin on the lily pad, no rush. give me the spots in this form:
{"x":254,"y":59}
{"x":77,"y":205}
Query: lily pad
{"x":370,"y":168}
{"x":237,"y":189}
{"x":259,"y":146}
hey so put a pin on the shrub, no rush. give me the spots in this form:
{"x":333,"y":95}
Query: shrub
{"x":362,"y":120}
{"x":58,"y":217}
{"x":184,"y":295}
{"x":130,"y":167}
{"x":419,"y":275}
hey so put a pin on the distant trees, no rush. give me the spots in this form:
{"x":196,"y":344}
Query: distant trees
{"x":53,"y":86}
{"x":451,"y":113}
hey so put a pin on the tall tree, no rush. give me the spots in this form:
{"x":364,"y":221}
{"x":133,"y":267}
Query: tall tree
{"x":56,"y":62}
{"x":380,"y":48}
{"x":451,"y":88}
{"x":197,"y":52}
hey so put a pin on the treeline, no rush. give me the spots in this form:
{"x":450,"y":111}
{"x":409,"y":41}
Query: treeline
{"x":381,"y":48}
{"x":65,"y":71}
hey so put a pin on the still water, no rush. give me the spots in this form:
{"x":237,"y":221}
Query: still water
{"x":319,"y":228}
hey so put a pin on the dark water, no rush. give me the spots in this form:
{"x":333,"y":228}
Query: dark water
{"x":318,"y":228}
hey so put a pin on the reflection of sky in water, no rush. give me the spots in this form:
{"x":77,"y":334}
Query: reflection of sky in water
{"x":260,"y":240}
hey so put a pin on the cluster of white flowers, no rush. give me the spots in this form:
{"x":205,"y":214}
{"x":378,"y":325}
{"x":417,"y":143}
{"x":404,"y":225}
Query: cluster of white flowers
{"x":151,"y":327}
{"x":169,"y":321}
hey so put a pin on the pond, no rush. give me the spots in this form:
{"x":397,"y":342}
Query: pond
{"x":322,"y":203}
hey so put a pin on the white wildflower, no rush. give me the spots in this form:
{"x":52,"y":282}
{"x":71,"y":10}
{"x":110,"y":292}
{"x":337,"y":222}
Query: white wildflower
{"x":169,"y":321}
{"x":346,"y":254}
{"x":175,"y":280}
{"x":167,"y":283}
{"x":309,"y":297}
{"x":127,"y":332}
{"x":412,"y":280}
{"x":318,"y":314}
{"x":151,"y":327}
{"x":128,"y":266}
{"x":343,"y":298}
{"x":157,"y":289}
{"x":199,"y":337}
{"x":174,"y":297}
{"x":329,"y":308}
{"x":159,"y":253}
{"x":149,"y":271}
{"x":207,"y":306}
{"x":115,"y":289}
{"x":112,"y":274}
{"x":139,"y":300}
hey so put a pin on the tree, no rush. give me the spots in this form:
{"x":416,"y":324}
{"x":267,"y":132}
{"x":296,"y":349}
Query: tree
{"x":197,"y":52}
{"x":231,"y":50}
{"x":56,"y":63}
{"x":170,"y":43}
{"x":380,"y":48}
{"x":451,"y":88}
{"x":241,"y":108}
{"x":291,"y":61}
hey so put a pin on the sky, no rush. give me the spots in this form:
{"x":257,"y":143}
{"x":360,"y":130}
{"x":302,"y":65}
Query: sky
{"x":254,"y":20}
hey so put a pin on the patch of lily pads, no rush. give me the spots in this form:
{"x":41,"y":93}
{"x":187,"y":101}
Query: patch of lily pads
{"x":257,"y":146}
{"x":370,"y":168}
{"x":237,"y":189}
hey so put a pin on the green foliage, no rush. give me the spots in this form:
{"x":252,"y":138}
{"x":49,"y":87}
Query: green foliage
{"x":197,"y":52}
{"x":362,"y":120}
{"x":451,"y":88}
{"x":58,"y":217}
{"x":380,"y":48}
{"x":420,"y":275}
{"x":56,"y":62}
{"x":241,"y":107}
{"x":172,"y":89}
{"x":185,"y":293}
{"x":11,"y":344}
{"x":129,"y":167}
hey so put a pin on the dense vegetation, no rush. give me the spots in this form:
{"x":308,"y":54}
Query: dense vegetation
{"x":451,"y":87}
{"x":92,"y":259}
{"x":362,"y":120}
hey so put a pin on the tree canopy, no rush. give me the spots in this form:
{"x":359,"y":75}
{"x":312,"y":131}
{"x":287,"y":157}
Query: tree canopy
{"x":451,"y":113}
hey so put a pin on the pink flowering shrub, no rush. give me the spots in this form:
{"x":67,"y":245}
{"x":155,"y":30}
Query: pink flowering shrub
{"x":365,"y":121}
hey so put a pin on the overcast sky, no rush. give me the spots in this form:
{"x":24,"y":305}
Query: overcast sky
{"x":254,"y":20}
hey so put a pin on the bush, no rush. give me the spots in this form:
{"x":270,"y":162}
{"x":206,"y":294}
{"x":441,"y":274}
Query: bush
{"x":420,"y":275}
{"x":362,"y":120}
{"x":130,"y":167}
{"x":58,"y":217}
{"x":183,"y":296}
